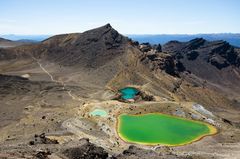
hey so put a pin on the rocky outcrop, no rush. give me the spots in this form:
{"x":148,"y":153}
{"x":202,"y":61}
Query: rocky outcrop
{"x":157,"y":60}
{"x":183,"y":47}
{"x":42,"y":155}
{"x":214,"y":61}
{"x":145,"y":47}
{"x":42,"y":139}
{"x":158,"y":48}
{"x":163,"y":61}
{"x":139,"y":153}
{"x":194,"y":44}
{"x":218,"y":61}
{"x":136,"y":152}
{"x":192,"y":55}
{"x":86,"y":151}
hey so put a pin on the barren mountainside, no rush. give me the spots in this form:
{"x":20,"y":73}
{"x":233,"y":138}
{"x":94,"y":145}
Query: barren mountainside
{"x":48,"y":89}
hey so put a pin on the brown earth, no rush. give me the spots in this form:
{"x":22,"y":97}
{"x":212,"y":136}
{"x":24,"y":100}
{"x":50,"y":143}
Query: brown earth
{"x":52,"y":87}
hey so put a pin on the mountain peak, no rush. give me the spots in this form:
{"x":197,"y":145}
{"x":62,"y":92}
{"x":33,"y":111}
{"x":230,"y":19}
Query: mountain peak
{"x":91,"y":48}
{"x":101,"y":30}
{"x":195,"y":43}
{"x":198,"y":39}
{"x":89,"y":35}
{"x":108,"y":25}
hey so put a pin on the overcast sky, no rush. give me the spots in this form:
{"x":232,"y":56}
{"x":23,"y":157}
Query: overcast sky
{"x":126,"y":16}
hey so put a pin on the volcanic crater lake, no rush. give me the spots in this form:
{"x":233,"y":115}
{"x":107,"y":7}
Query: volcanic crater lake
{"x":128,"y":93}
{"x":156,"y":128}
{"x":99,"y":112}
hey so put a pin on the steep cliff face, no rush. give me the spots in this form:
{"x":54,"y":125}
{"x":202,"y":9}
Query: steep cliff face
{"x":163,"y":62}
{"x":216,"y":62}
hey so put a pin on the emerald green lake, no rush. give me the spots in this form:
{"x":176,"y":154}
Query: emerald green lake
{"x":128,"y":93}
{"x":155,"y":128}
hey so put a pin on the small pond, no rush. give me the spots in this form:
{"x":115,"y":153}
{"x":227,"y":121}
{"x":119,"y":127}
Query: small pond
{"x":128,"y":93}
{"x":99,"y":112}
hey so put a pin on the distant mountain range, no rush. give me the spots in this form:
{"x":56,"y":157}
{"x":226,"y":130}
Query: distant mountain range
{"x":5,"y":43}
{"x":233,"y":39}
{"x":24,"y":38}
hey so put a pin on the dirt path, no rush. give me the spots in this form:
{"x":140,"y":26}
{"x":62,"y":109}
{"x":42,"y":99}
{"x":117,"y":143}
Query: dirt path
{"x":57,"y":81}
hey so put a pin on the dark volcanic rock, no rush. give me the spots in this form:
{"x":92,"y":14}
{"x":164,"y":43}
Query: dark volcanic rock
{"x":114,"y":40}
{"x":86,"y":151}
{"x":173,"y":47}
{"x":218,"y":62}
{"x":165,"y":62}
{"x":134,"y":43}
{"x":138,"y":153}
{"x":146,"y":97}
{"x":157,"y":47}
{"x":42,"y":155}
{"x":214,"y":61}
{"x":192,"y":55}
{"x":183,"y":47}
{"x":180,"y":67}
{"x":227,"y":121}
{"x":194,"y":44}
{"x":226,"y":51}
{"x":219,"y":53}
{"x":158,"y":60}
{"x":169,"y":65}
{"x":42,"y":139}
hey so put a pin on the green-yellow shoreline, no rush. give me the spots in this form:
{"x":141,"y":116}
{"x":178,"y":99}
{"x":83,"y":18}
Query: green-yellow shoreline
{"x":212,"y":131}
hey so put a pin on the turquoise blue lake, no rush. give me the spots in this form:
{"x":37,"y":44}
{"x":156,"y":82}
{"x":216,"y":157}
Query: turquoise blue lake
{"x":128,"y":93}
